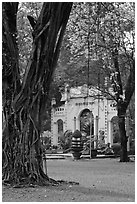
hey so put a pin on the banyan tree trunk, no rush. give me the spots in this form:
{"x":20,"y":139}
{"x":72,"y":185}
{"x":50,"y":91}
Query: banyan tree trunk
{"x":22,"y":153}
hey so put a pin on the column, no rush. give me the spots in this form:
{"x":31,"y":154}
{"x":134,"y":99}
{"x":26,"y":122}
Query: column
{"x":74,"y":123}
{"x":106,"y":123}
{"x":52,"y":125}
{"x":64,"y":126}
{"x":55,"y":134}
{"x":66,"y":119}
{"x":77,"y":123}
{"x":96,"y":131}
{"x":110,"y":137}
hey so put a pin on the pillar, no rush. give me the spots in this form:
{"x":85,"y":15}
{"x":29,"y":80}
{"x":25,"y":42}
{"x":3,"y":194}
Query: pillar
{"x":52,"y":126}
{"x":64,"y":126}
{"x":77,"y":123}
{"x":55,"y":134}
{"x":110,"y":136}
{"x":106,"y":122}
{"x":66,"y":118}
{"x":96,"y":131}
{"x":74,"y":123}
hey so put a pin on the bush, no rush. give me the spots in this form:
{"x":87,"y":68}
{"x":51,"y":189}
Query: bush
{"x":65,"y":140}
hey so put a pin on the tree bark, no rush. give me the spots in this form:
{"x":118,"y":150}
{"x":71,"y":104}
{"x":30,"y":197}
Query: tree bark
{"x":122,"y":130}
{"x":11,"y":85}
{"x":122,"y":104}
{"x":22,"y":155}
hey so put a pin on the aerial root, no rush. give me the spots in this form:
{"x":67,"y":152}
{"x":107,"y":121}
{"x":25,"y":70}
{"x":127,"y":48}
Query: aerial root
{"x":67,"y":182}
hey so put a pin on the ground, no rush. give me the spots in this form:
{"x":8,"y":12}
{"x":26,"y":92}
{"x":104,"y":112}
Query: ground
{"x":100,"y":180}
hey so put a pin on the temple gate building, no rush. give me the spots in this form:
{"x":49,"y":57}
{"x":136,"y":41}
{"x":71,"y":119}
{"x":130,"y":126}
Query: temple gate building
{"x":79,"y":100}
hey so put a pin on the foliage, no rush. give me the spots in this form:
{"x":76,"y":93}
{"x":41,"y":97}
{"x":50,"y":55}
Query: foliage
{"x":65,"y":140}
{"x":105,"y":26}
{"x":73,"y":63}
{"x":24,"y":37}
{"x":46,"y":140}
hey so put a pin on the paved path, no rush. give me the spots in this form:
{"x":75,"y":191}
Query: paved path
{"x":106,"y":177}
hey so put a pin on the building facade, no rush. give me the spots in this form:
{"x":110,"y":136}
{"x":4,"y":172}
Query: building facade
{"x":74,"y":101}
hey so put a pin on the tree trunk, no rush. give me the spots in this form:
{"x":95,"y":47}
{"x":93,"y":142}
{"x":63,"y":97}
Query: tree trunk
{"x":22,"y":153}
{"x":122,"y":104}
{"x":122,"y":130}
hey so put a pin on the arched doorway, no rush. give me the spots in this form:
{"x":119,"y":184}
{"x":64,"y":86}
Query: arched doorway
{"x":115,"y":130}
{"x":87,"y":122}
{"x":60,"y":126}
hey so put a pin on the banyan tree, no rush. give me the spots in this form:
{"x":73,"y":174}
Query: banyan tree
{"x":23,"y":101}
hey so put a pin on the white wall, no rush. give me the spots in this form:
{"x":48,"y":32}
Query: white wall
{"x":74,"y":107}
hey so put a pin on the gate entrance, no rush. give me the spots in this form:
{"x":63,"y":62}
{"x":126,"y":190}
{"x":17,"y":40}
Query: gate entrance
{"x":86,"y":122}
{"x":87,"y":114}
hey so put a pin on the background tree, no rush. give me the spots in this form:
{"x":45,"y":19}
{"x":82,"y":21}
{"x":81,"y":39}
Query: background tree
{"x":116,"y":40}
{"x":73,"y":61}
{"x":110,"y":31}
{"x":22,"y":153}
